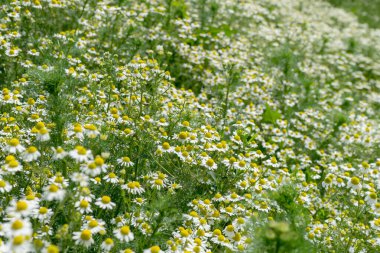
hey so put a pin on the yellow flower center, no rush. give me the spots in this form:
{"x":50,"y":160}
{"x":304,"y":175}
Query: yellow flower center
{"x":93,"y":223}
{"x":355,"y":181}
{"x":85,"y":235}
{"x":14,"y":142}
{"x":81,"y":150}
{"x":155,"y":249}
{"x":13,"y":164}
{"x":53,"y":188}
{"x":158,"y":182}
{"x":52,"y":249}
{"x":21,"y":205}
{"x":43,"y":210}
{"x":125,"y":230}
{"x":83,"y":203}
{"x":106,"y":200}
{"x":17,"y":224}
{"x":210,"y":162}
{"x":18,"y":240}
{"x":32,"y":149}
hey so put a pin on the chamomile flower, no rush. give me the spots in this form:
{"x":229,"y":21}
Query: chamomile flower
{"x":125,"y":161}
{"x":354,"y":183}
{"x":43,"y":213}
{"x":124,"y":234}
{"x":54,"y":192}
{"x":83,"y":238}
{"x":105,"y":203}
{"x":95,"y":225}
{"x":107,"y":244}
{"x":111,"y":178}
{"x":19,"y":244}
{"x":80,"y":154}
{"x":91,"y":130}
{"x":153,"y":249}
{"x":12,"y":165}
{"x":43,"y":134}
{"x":14,"y":146}
{"x":83,"y":206}
{"x":133,"y":187}
{"x":31,"y":154}
{"x":16,"y":227}
{"x":5,"y":186}
{"x":209,"y":164}
{"x":59,"y":153}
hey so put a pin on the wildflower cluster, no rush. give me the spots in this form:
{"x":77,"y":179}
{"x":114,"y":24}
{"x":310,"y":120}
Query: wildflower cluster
{"x":168,"y":126}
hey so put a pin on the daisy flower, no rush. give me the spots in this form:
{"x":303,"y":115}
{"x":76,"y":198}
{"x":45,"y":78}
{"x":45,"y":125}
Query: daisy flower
{"x":51,"y":249}
{"x":13,"y":146}
{"x":107,"y":245}
{"x":133,"y":187}
{"x":19,"y":244}
{"x":124,"y":234}
{"x":59,"y":153}
{"x":94,"y":225}
{"x":31,"y":154}
{"x":125,"y":161}
{"x":354,"y":183}
{"x":111,"y":178}
{"x":90,"y":130}
{"x":12,"y":165}
{"x":54,"y":192}
{"x":5,"y":186}
{"x":105,"y":203}
{"x":17,"y":227}
{"x":209,"y":164}
{"x":83,"y":206}
{"x":21,"y":208}
{"x":153,"y":249}
{"x":83,"y":238}
{"x":43,"y":213}
{"x":80,"y":154}
{"x":43,"y":134}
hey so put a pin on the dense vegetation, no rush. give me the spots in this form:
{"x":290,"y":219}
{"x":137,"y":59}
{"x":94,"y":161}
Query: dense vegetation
{"x":188,"y":126}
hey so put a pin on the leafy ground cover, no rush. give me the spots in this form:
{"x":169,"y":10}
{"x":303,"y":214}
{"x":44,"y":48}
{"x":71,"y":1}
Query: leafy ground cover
{"x":188,"y":126}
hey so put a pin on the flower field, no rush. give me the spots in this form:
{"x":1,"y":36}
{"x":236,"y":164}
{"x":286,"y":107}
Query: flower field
{"x":188,"y":126}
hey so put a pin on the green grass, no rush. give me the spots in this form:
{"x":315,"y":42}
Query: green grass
{"x":367,"y":11}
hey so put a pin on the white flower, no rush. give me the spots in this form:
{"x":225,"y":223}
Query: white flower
{"x":94,"y":225}
{"x":17,"y":227}
{"x":111,"y":178}
{"x":13,"y":146}
{"x":5,"y":186}
{"x":133,"y":187}
{"x":209,"y":164}
{"x":125,"y":161}
{"x":31,"y":154}
{"x":375,"y":224}
{"x":124,"y":234}
{"x":83,"y":206}
{"x":107,"y":245}
{"x":105,"y":203}
{"x":21,"y":208}
{"x":354,"y":183}
{"x":59,"y":153}
{"x":83,"y":238}
{"x":43,"y":134}
{"x":153,"y":249}
{"x":43,"y":213}
{"x":80,"y":154}
{"x":54,"y":192}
